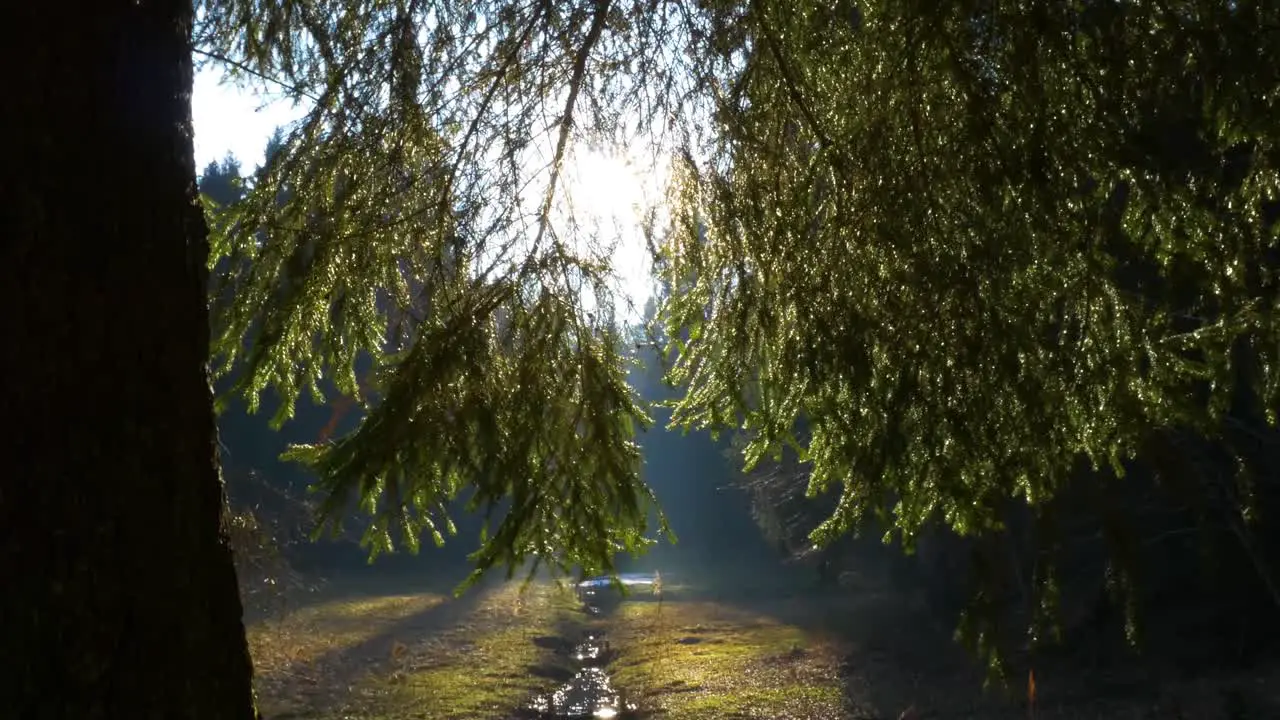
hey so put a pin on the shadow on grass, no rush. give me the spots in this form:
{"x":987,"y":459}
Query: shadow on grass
{"x":895,"y":656}
{"x":781,"y":637}
{"x":347,"y":585}
{"x":311,"y":659}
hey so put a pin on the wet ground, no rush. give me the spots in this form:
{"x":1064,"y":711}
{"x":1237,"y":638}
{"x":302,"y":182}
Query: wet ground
{"x":590,"y":693}
{"x":509,"y":652}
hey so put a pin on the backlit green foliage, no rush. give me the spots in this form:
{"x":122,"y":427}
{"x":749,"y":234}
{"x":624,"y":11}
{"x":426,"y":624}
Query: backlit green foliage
{"x":972,"y":243}
{"x":390,"y":246}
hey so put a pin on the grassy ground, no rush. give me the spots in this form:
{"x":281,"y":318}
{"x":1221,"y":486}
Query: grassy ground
{"x":487,"y":665}
{"x":700,"y":653}
{"x":426,"y":655}
{"x":699,"y":659}
{"x":303,"y":658}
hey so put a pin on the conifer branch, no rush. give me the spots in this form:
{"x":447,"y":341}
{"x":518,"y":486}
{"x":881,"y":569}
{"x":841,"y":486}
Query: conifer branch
{"x":295,"y":89}
{"x":598,"y":19}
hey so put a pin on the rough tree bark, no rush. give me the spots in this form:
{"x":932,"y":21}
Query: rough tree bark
{"x":118,"y":596}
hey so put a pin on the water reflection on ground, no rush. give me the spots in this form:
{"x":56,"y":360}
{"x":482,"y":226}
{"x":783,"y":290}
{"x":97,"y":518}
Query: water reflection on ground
{"x":603,"y":593}
{"x":590,"y":693}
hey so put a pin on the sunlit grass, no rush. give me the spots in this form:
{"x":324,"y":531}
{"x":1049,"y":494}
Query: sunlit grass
{"x":296,"y":655}
{"x":482,"y":665}
{"x":491,"y":664}
{"x":395,"y":657}
{"x":307,"y":634}
{"x":411,"y":662}
{"x":494,"y":676}
{"x":704,"y":660}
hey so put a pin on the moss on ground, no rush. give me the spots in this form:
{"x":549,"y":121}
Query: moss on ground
{"x":299,"y":658}
{"x":428,"y":657}
{"x":312,"y":631}
{"x":491,"y":664}
{"x":705,"y":660}
{"x":481,"y":660}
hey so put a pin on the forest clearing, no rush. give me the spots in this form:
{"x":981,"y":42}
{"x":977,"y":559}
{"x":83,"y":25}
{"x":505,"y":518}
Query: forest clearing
{"x":699,"y":653}
{"x":929,"y":351}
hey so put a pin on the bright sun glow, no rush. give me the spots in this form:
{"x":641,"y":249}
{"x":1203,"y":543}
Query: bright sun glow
{"x":604,"y":186}
{"x":607,"y":191}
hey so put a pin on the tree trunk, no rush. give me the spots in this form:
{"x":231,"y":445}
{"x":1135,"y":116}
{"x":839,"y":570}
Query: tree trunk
{"x":118,"y":596}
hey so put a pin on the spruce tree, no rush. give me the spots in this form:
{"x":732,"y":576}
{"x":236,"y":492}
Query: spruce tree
{"x":984,"y":250}
{"x":119,"y":594}
{"x":972,"y":247}
{"x":971,"y":243}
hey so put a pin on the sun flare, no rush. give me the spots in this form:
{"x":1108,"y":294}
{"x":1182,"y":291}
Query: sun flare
{"x":602,"y":186}
{"x":607,"y":195}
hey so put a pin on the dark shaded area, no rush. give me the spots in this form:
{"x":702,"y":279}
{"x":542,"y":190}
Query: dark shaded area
{"x":695,"y":484}
{"x":1201,"y":611}
{"x":115,"y":573}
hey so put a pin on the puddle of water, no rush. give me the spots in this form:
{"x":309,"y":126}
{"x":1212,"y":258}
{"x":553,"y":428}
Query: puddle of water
{"x":592,"y":652}
{"x":600,"y":594}
{"x":627,"y":579}
{"x":590,"y":693}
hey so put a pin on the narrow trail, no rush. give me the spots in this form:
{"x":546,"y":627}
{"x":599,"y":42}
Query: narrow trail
{"x":671,"y":655}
